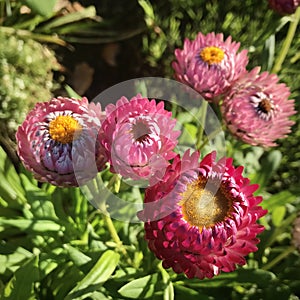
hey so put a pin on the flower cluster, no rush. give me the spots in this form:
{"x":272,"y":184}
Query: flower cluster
{"x":255,"y":107}
{"x":200,"y":217}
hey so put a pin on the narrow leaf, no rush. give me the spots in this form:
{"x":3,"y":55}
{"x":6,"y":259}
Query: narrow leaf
{"x":141,"y":288}
{"x":101,"y":271}
{"x":21,"y":285}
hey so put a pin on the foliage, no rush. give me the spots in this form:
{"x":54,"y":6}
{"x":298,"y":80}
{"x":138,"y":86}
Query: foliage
{"x":26,"y":77}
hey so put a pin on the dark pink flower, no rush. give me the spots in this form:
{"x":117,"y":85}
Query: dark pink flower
{"x":209,"y":64}
{"x":284,"y":7}
{"x":57,"y":141}
{"x":257,"y":109}
{"x":139,"y":137}
{"x":201,"y":218}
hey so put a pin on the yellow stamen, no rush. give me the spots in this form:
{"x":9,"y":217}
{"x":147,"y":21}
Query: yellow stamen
{"x":64,"y":129}
{"x":212,"y":55}
{"x":202,"y":207}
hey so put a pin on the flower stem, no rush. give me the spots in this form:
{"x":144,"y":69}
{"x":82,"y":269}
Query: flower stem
{"x":287,"y":42}
{"x":278,"y":258}
{"x":202,"y":124}
{"x":113,"y":232}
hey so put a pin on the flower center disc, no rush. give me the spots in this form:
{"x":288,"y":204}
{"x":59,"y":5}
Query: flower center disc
{"x":64,"y":129}
{"x":140,"y":131}
{"x":265,"y":105}
{"x":212,"y":55}
{"x":201,"y":207}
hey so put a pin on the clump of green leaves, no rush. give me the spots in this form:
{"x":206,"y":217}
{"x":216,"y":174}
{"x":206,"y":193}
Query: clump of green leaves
{"x":26,"y":77}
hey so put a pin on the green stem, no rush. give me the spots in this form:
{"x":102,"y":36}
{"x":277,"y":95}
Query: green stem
{"x":202,"y":124}
{"x":287,"y":42}
{"x":113,"y":232}
{"x":278,"y":258}
{"x":212,"y":136}
{"x":96,"y":188}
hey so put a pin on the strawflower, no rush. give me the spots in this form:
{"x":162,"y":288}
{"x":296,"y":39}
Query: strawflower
{"x":139,"y":137}
{"x":209,"y":64}
{"x":257,"y":109}
{"x":201,"y":218}
{"x":57,"y":141}
{"x":284,"y":7}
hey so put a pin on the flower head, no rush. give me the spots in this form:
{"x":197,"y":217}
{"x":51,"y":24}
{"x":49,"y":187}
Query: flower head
{"x":57,"y":141}
{"x":209,"y":64}
{"x":201,"y":218}
{"x":284,"y":7}
{"x":257,"y":109}
{"x":139,"y":137}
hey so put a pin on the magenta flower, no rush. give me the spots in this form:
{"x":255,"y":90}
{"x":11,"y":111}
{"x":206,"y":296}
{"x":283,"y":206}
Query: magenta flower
{"x":57,"y":141}
{"x":257,"y":109}
{"x":139,"y":137}
{"x":201,"y":218}
{"x":284,"y":7}
{"x":209,"y":64}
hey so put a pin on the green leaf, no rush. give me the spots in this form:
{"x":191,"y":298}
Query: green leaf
{"x":31,"y":225}
{"x":278,"y":215}
{"x":11,"y":257}
{"x":169,"y":289}
{"x":260,"y":277}
{"x":21,"y":285}
{"x":88,"y":12}
{"x":278,"y":199}
{"x":100,"y":273}
{"x":71,"y":92}
{"x":182,"y":292}
{"x":77,"y":256}
{"x":43,"y":8}
{"x":268,"y":165}
{"x":141,"y":288}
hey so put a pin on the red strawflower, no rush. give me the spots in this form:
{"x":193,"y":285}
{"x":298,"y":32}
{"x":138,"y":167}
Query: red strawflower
{"x":201,"y":218}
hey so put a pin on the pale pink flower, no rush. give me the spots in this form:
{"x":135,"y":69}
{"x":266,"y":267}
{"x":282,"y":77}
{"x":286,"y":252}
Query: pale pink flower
{"x":139,"y":137}
{"x":257,"y":109}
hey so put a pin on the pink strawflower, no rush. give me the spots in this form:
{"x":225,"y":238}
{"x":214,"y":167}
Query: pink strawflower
{"x":201,"y":218}
{"x":257,"y":109}
{"x":209,"y":64}
{"x":284,"y":7}
{"x":57,"y":141}
{"x":139,"y":137}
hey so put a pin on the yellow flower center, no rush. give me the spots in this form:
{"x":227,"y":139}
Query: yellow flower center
{"x":203,"y":207}
{"x":64,"y":129}
{"x":212,"y":55}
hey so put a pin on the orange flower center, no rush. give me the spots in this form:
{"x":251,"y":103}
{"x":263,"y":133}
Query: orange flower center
{"x":64,"y":129}
{"x":203,"y":207}
{"x":212,"y":55}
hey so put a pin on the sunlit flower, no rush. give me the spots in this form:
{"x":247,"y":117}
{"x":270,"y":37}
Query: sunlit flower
{"x":284,"y":7}
{"x":57,"y":141}
{"x":139,"y":137}
{"x":209,"y":64}
{"x":257,"y":109}
{"x":201,"y":218}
